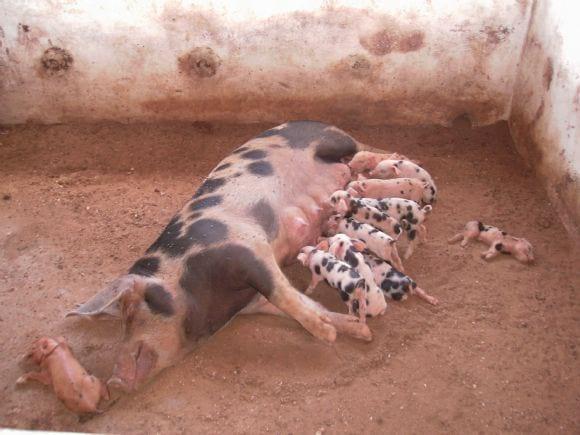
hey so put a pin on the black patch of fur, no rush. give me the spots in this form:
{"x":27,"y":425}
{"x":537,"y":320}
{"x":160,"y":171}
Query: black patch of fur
{"x":480,"y":226}
{"x":254,"y":154}
{"x":159,"y":300}
{"x":218,"y":283}
{"x":208,"y":201}
{"x":146,"y":266}
{"x":499,"y":247}
{"x":203,"y":232}
{"x":266,"y":217}
{"x":261,"y":168}
{"x":209,"y":186}
{"x":222,"y":167}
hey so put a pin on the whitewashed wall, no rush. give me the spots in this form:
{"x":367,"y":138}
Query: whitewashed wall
{"x":545,"y":116}
{"x":416,"y":61}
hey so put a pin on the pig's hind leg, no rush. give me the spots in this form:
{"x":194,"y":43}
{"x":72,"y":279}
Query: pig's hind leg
{"x":43,"y":377}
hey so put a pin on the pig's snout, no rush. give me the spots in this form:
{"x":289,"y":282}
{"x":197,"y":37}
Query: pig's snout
{"x":133,"y":367}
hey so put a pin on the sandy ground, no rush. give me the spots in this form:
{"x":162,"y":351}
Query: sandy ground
{"x":79,"y":203}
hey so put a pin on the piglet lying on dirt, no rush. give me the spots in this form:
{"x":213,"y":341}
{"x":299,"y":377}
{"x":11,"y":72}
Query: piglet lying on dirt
{"x":338,"y":274}
{"x":499,"y":241}
{"x":79,"y":391}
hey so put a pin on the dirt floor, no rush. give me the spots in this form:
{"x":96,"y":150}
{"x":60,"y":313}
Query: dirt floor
{"x":79,"y":203}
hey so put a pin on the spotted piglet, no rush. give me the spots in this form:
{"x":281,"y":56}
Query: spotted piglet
{"x":349,"y":250}
{"x":366,"y":160}
{"x":499,"y":241}
{"x":380,"y":243}
{"x":326,"y":267}
{"x":344,"y":204}
{"x":408,"y":188}
{"x":394,"y":284}
{"x":402,"y":168}
{"x":407,"y":212}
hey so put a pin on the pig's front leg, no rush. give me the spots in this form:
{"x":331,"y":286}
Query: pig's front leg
{"x":425,"y":296}
{"x":397,"y":259}
{"x":422,"y":233}
{"x":43,"y":377}
{"x":493,"y":251}
{"x":343,"y":323}
{"x":313,"y":283}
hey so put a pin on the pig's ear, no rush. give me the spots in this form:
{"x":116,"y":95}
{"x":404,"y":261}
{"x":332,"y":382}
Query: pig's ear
{"x":323,"y":244}
{"x":106,"y":301}
{"x":359,"y":245}
{"x":396,"y":170}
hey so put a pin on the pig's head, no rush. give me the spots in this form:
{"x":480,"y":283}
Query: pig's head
{"x":305,"y":254}
{"x":339,"y":244}
{"x":356,"y":188}
{"x":361,"y":161}
{"x":385,"y":169}
{"x":522,"y":250}
{"x":42,"y":348}
{"x":429,"y":193}
{"x":340,"y":201}
{"x":150,"y":327}
{"x":331,"y":225}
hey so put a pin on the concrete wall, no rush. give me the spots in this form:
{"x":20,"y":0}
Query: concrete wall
{"x":545,"y":116}
{"x":417,"y":61}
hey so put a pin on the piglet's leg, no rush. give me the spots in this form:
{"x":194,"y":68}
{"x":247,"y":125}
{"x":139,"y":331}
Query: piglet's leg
{"x":410,"y":249}
{"x":457,"y":237}
{"x":422,"y":233}
{"x":396,"y":259}
{"x":423,"y":295}
{"x":43,"y":377}
{"x":360,"y":296}
{"x":313,"y":283}
{"x":491,"y":252}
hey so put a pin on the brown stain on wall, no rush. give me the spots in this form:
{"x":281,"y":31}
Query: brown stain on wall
{"x":496,"y":35}
{"x":200,"y":62}
{"x":393,"y":40}
{"x":548,"y":73}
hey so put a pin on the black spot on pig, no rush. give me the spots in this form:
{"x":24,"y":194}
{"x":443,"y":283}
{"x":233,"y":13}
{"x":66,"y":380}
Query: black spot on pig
{"x":261,"y":168}
{"x":208,"y":201}
{"x":499,"y":247}
{"x":254,"y":154}
{"x":209,"y":186}
{"x":324,"y":261}
{"x":240,"y":150}
{"x":218,"y":283}
{"x":349,"y":288}
{"x":203,"y":232}
{"x":317,"y":269}
{"x":222,"y":167}
{"x":334,"y":146}
{"x":159,"y":300}
{"x":350,"y":258}
{"x":266,"y":217}
{"x":480,"y":226}
{"x":412,"y":234}
{"x":146,"y":266}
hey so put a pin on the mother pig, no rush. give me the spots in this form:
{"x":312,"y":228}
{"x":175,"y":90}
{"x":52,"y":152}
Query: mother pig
{"x":221,"y":253}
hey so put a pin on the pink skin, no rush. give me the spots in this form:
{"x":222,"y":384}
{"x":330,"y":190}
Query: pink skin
{"x":79,"y":391}
{"x":498,"y":241}
{"x":338,"y":246}
{"x":407,"y":188}
{"x":367,"y":160}
{"x":380,"y":243}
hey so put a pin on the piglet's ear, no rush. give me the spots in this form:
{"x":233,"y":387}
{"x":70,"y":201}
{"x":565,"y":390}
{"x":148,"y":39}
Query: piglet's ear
{"x":396,"y":170}
{"x":359,"y":245}
{"x":322,"y":244}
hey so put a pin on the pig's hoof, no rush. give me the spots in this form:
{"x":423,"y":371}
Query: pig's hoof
{"x":323,"y":330}
{"x":21,"y":380}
